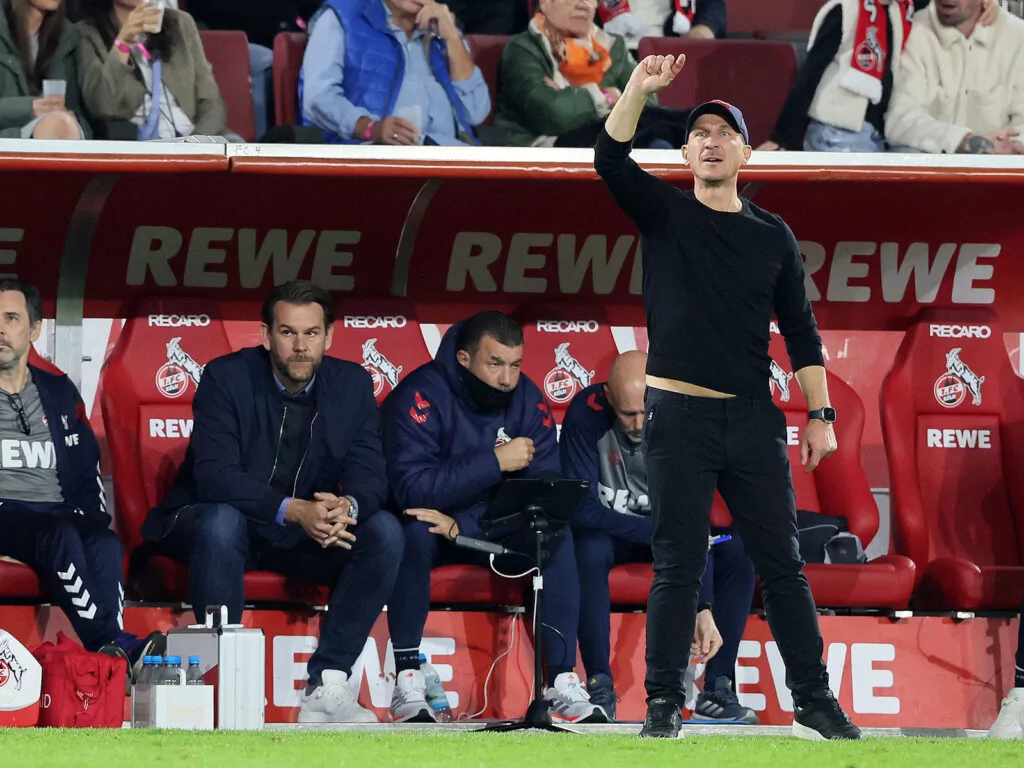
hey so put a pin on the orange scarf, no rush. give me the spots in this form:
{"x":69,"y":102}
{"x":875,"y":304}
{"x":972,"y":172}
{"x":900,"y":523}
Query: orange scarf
{"x":579,"y":65}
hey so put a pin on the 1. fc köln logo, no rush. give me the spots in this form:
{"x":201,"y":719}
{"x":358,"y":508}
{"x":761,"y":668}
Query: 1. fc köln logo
{"x":953,"y":386}
{"x":567,"y":377}
{"x":379,"y":367}
{"x":173,"y":377}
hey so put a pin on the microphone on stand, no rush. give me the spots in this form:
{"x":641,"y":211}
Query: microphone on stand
{"x":481,"y":546}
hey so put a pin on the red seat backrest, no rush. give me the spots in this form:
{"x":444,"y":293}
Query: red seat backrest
{"x":289,"y":47}
{"x":749,"y":16}
{"x":383,"y":336}
{"x":565,"y":351}
{"x":228,"y":54}
{"x":953,"y":423}
{"x":148,"y":383}
{"x":731,"y":70}
{"x":839,"y":486}
{"x":487,"y":51}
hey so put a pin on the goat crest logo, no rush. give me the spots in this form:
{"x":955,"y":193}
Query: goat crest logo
{"x":173,"y":377}
{"x":10,"y":668}
{"x":567,"y":377}
{"x":780,"y":378}
{"x":379,"y":367}
{"x":952,"y":387}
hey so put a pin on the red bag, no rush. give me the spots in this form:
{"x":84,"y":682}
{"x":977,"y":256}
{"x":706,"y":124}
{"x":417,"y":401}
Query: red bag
{"x":80,"y":689}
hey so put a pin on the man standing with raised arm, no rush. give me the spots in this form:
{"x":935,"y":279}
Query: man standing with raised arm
{"x":715,"y":267}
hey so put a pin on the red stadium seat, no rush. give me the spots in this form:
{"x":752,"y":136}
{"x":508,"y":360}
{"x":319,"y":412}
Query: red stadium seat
{"x":952,"y":413}
{"x":757,"y":16}
{"x":730,"y":70}
{"x":565,"y":351}
{"x":474,"y":585}
{"x":149,"y":381}
{"x":487,"y":51}
{"x":19,"y":582}
{"x":289,"y":48}
{"x":228,"y":54}
{"x":385,"y":337}
{"x":838,"y":487}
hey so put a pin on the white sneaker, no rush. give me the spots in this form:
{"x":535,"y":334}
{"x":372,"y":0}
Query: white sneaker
{"x":1010,"y":723}
{"x":333,"y":702}
{"x":569,"y":702}
{"x":409,"y":700}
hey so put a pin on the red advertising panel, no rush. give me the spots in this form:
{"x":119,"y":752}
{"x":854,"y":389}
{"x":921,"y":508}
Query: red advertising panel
{"x":885,"y":674}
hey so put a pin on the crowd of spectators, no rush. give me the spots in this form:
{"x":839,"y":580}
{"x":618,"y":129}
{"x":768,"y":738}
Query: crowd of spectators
{"x":878,"y":75}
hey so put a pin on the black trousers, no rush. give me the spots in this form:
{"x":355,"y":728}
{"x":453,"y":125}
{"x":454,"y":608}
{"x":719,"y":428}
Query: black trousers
{"x":738,"y":445}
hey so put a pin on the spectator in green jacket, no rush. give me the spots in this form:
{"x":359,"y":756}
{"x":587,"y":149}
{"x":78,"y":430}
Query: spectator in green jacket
{"x":37,"y":44}
{"x":562,"y":76}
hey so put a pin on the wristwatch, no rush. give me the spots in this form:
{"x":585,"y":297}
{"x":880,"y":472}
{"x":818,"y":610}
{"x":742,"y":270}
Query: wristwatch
{"x":828,"y":415}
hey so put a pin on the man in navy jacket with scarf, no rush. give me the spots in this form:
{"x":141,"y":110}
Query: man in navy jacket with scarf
{"x":285,"y":473}
{"x":372,"y":66}
{"x":454,"y":429}
{"x":52,"y":504}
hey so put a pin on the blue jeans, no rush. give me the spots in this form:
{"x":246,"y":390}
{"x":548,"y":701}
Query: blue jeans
{"x":410,"y":603}
{"x":828,"y":138}
{"x":732,"y":576}
{"x":214,"y":540}
{"x":261,"y":62}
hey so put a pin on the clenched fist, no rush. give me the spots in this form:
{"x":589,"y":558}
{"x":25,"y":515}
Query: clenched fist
{"x":515,"y":455}
{"x":655,"y":73}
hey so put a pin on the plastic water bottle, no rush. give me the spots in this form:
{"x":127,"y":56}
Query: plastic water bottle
{"x":194,"y":676}
{"x":147,"y":671}
{"x":435,"y":695}
{"x":169,"y":672}
{"x":152,"y":670}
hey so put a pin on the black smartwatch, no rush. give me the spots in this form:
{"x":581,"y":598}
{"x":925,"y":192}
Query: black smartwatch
{"x":828,"y":415}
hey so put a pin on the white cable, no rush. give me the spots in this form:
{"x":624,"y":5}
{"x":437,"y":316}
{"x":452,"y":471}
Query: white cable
{"x":499,"y":657}
{"x":533,"y":678}
{"x":536,"y":570}
{"x":513,"y":576}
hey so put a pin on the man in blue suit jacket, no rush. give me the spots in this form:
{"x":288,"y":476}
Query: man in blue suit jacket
{"x":285,"y":473}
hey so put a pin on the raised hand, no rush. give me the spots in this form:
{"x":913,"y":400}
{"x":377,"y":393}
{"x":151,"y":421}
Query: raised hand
{"x":655,"y":73}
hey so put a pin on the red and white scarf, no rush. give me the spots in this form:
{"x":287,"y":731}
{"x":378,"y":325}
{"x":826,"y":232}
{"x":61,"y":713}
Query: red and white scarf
{"x":871,"y":44}
{"x":681,"y":22}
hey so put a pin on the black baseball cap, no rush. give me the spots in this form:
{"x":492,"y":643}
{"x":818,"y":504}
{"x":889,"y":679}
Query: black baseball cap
{"x":723,"y":109}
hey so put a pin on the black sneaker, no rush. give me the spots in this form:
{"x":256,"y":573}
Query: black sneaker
{"x":602,"y":694}
{"x":115,"y":651}
{"x":663,"y":721}
{"x":822,"y":719}
{"x":154,"y":644}
{"x":721,"y":704}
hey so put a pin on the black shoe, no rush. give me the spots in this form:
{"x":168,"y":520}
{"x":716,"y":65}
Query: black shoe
{"x":115,"y":651}
{"x":663,"y":721}
{"x":822,"y":719}
{"x":602,"y":694}
{"x":154,"y":644}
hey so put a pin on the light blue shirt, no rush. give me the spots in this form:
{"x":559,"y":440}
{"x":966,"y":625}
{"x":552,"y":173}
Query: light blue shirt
{"x":323,"y":96}
{"x":284,"y":504}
